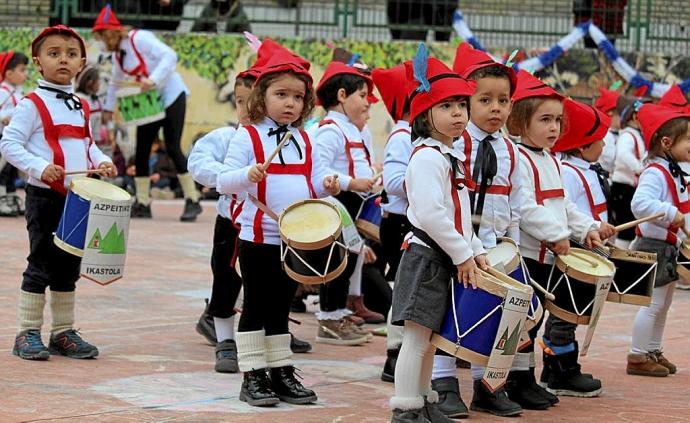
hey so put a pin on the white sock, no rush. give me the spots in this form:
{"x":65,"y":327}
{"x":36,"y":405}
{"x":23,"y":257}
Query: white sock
{"x":648,"y":328}
{"x":477,"y":371}
{"x":188,"y":187}
{"x":225,"y":328}
{"x":278,"y":352}
{"x":30,"y":310}
{"x":532,"y":360}
{"x":356,"y":278}
{"x":413,"y":360}
{"x":329,"y":315}
{"x":394,"y":333}
{"x":444,"y":366}
{"x":143,"y":185}
{"x":251,"y":350}
{"x":521,"y":361}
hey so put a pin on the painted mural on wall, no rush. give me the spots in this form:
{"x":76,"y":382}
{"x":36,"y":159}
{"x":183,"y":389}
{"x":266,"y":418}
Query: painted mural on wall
{"x":209,"y":63}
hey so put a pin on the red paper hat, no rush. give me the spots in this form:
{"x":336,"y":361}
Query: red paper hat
{"x":339,"y":68}
{"x":440,"y":83}
{"x":391,"y":85}
{"x":266,"y":50}
{"x":583,"y":125}
{"x":529,"y":86}
{"x":107,"y":20}
{"x":284,"y":60}
{"x":5,"y":58}
{"x":60,"y":30}
{"x":607,"y":100}
{"x":653,"y":116}
{"x":469,"y":60}
{"x":674,"y":97}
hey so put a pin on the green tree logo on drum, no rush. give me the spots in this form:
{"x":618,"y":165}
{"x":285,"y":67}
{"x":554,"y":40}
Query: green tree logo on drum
{"x":113,"y":243}
{"x":509,"y":344}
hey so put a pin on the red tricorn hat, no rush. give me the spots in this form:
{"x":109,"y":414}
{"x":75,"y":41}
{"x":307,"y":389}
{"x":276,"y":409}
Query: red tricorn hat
{"x":107,"y":20}
{"x":57,"y":30}
{"x":5,"y":58}
{"x":267,"y":49}
{"x":607,"y":100}
{"x":391,"y":84}
{"x":339,"y":68}
{"x":654,"y":116}
{"x":529,"y":86}
{"x":583,"y":125}
{"x":469,"y":60}
{"x":431,"y":81}
{"x":674,"y":97}
{"x":283,"y":60}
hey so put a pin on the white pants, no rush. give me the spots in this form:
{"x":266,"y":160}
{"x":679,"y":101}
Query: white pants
{"x":650,"y":321}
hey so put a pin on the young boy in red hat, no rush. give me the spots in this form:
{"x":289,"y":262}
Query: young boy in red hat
{"x":48,"y":137}
{"x":494,"y":182}
{"x":12,"y":78}
{"x":606,"y":103}
{"x":394,"y":223}
{"x":663,"y":188}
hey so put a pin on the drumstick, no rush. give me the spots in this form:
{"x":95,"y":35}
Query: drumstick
{"x":263,"y":207}
{"x":85,"y":172}
{"x":281,"y":144}
{"x":685,"y":231}
{"x":600,"y":245}
{"x":549,"y":296}
{"x":579,"y":256}
{"x":634,"y":223}
{"x":376,"y":177}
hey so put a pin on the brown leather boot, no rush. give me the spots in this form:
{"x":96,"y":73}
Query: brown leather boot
{"x":645,"y":365}
{"x":672,"y":369}
{"x":356,"y":304}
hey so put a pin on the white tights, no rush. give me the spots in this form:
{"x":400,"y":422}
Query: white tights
{"x":413,"y":368}
{"x":650,"y":321}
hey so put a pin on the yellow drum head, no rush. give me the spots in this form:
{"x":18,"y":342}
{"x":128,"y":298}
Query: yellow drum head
{"x":588,"y":263}
{"x":310,"y":222}
{"x":89,"y":188}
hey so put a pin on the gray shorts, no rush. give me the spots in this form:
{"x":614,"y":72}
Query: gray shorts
{"x":422,"y":287}
{"x":666,"y":257}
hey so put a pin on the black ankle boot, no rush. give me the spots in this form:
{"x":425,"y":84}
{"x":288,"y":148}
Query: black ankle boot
{"x":449,"y":401}
{"x":496,"y":403}
{"x":388,"y":373}
{"x":256,"y":389}
{"x":191,"y":210}
{"x":206,"y":327}
{"x":288,"y":388}
{"x":299,"y":346}
{"x":520,"y":390}
{"x":566,"y":379}
{"x":539,"y":388}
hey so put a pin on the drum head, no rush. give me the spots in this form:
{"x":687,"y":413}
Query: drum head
{"x":89,"y":188}
{"x":310,"y":224}
{"x":585,"y":265}
{"x":505,"y":255}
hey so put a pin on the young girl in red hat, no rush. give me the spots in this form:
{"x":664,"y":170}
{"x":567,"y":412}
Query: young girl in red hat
{"x":663,"y":187}
{"x":606,"y":103}
{"x":443,"y":242}
{"x":280,"y":100}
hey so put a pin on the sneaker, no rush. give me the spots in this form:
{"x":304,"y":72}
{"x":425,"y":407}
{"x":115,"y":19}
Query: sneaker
{"x":29,"y":346}
{"x":226,"y":357}
{"x":299,"y":346}
{"x":645,"y":365}
{"x":191,"y":210}
{"x":7,"y":208}
{"x":70,"y":344}
{"x":338,"y":332}
{"x":286,"y":386}
{"x":140,"y":211}
{"x":672,"y":369}
{"x":206,"y":327}
{"x":496,"y":403}
{"x":355,"y":320}
{"x":359,"y":330}
{"x":256,"y":389}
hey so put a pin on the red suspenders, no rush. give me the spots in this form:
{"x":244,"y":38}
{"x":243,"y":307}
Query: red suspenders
{"x":596,"y":209}
{"x":349,"y":145}
{"x":491,"y":189}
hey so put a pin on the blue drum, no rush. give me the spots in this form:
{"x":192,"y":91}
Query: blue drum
{"x":368,"y":220}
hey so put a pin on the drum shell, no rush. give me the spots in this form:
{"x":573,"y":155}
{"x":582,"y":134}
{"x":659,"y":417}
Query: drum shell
{"x":630,"y":266}
{"x":369,"y":219}
{"x":70,"y":235}
{"x":684,"y":254}
{"x":318,"y":259}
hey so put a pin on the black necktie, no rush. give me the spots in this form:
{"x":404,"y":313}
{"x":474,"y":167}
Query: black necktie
{"x":483,"y":173}
{"x":278,"y":133}
{"x":603,"y":178}
{"x":677,"y":172}
{"x":71,"y":100}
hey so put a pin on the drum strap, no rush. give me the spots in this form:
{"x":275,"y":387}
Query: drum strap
{"x":596,"y":209}
{"x":425,"y":238}
{"x":141,"y":68}
{"x":53,"y":133}
{"x":349,"y":145}
{"x":304,"y":169}
{"x":11,"y":93}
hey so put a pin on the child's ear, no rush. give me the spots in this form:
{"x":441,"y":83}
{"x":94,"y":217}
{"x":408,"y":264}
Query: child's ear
{"x":83,"y":63}
{"x":34,"y":59}
{"x":341,"y":95}
{"x":666,"y":143}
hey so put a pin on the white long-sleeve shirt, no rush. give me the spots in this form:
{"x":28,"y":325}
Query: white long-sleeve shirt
{"x":607,"y":159}
{"x":24,"y":144}
{"x":282,"y":190}
{"x":160,"y":61}
{"x":432,"y":208}
{"x":556,"y":218}
{"x":331,"y":145}
{"x":630,"y":155}
{"x":206,"y":159}
{"x":656,"y":194}
{"x":9,"y":98}
{"x":396,"y":157}
{"x":501,"y":213}
{"x":579,"y":192}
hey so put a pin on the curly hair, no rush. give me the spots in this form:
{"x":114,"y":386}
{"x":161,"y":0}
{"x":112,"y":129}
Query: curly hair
{"x":257,"y":99}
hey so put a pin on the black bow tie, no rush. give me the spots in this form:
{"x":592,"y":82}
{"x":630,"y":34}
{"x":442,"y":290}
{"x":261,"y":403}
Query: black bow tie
{"x":278,"y":133}
{"x":677,"y":172}
{"x":71,"y":100}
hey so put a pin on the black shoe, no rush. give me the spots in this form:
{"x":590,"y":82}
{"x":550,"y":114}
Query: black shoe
{"x":449,"y":401}
{"x":288,"y":388}
{"x":434,"y":413}
{"x":226,"y":357}
{"x":545,"y":373}
{"x":566,"y":379}
{"x":29,"y":346}
{"x":140,"y":211}
{"x":409,"y":416}
{"x":520,"y":390}
{"x":298,"y":305}
{"x":298,"y":346}
{"x":70,"y":344}
{"x":388,"y":373}
{"x":256,"y":389}
{"x":539,"y":389}
{"x":191,"y":211}
{"x":206,"y":327}
{"x":496,"y":403}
